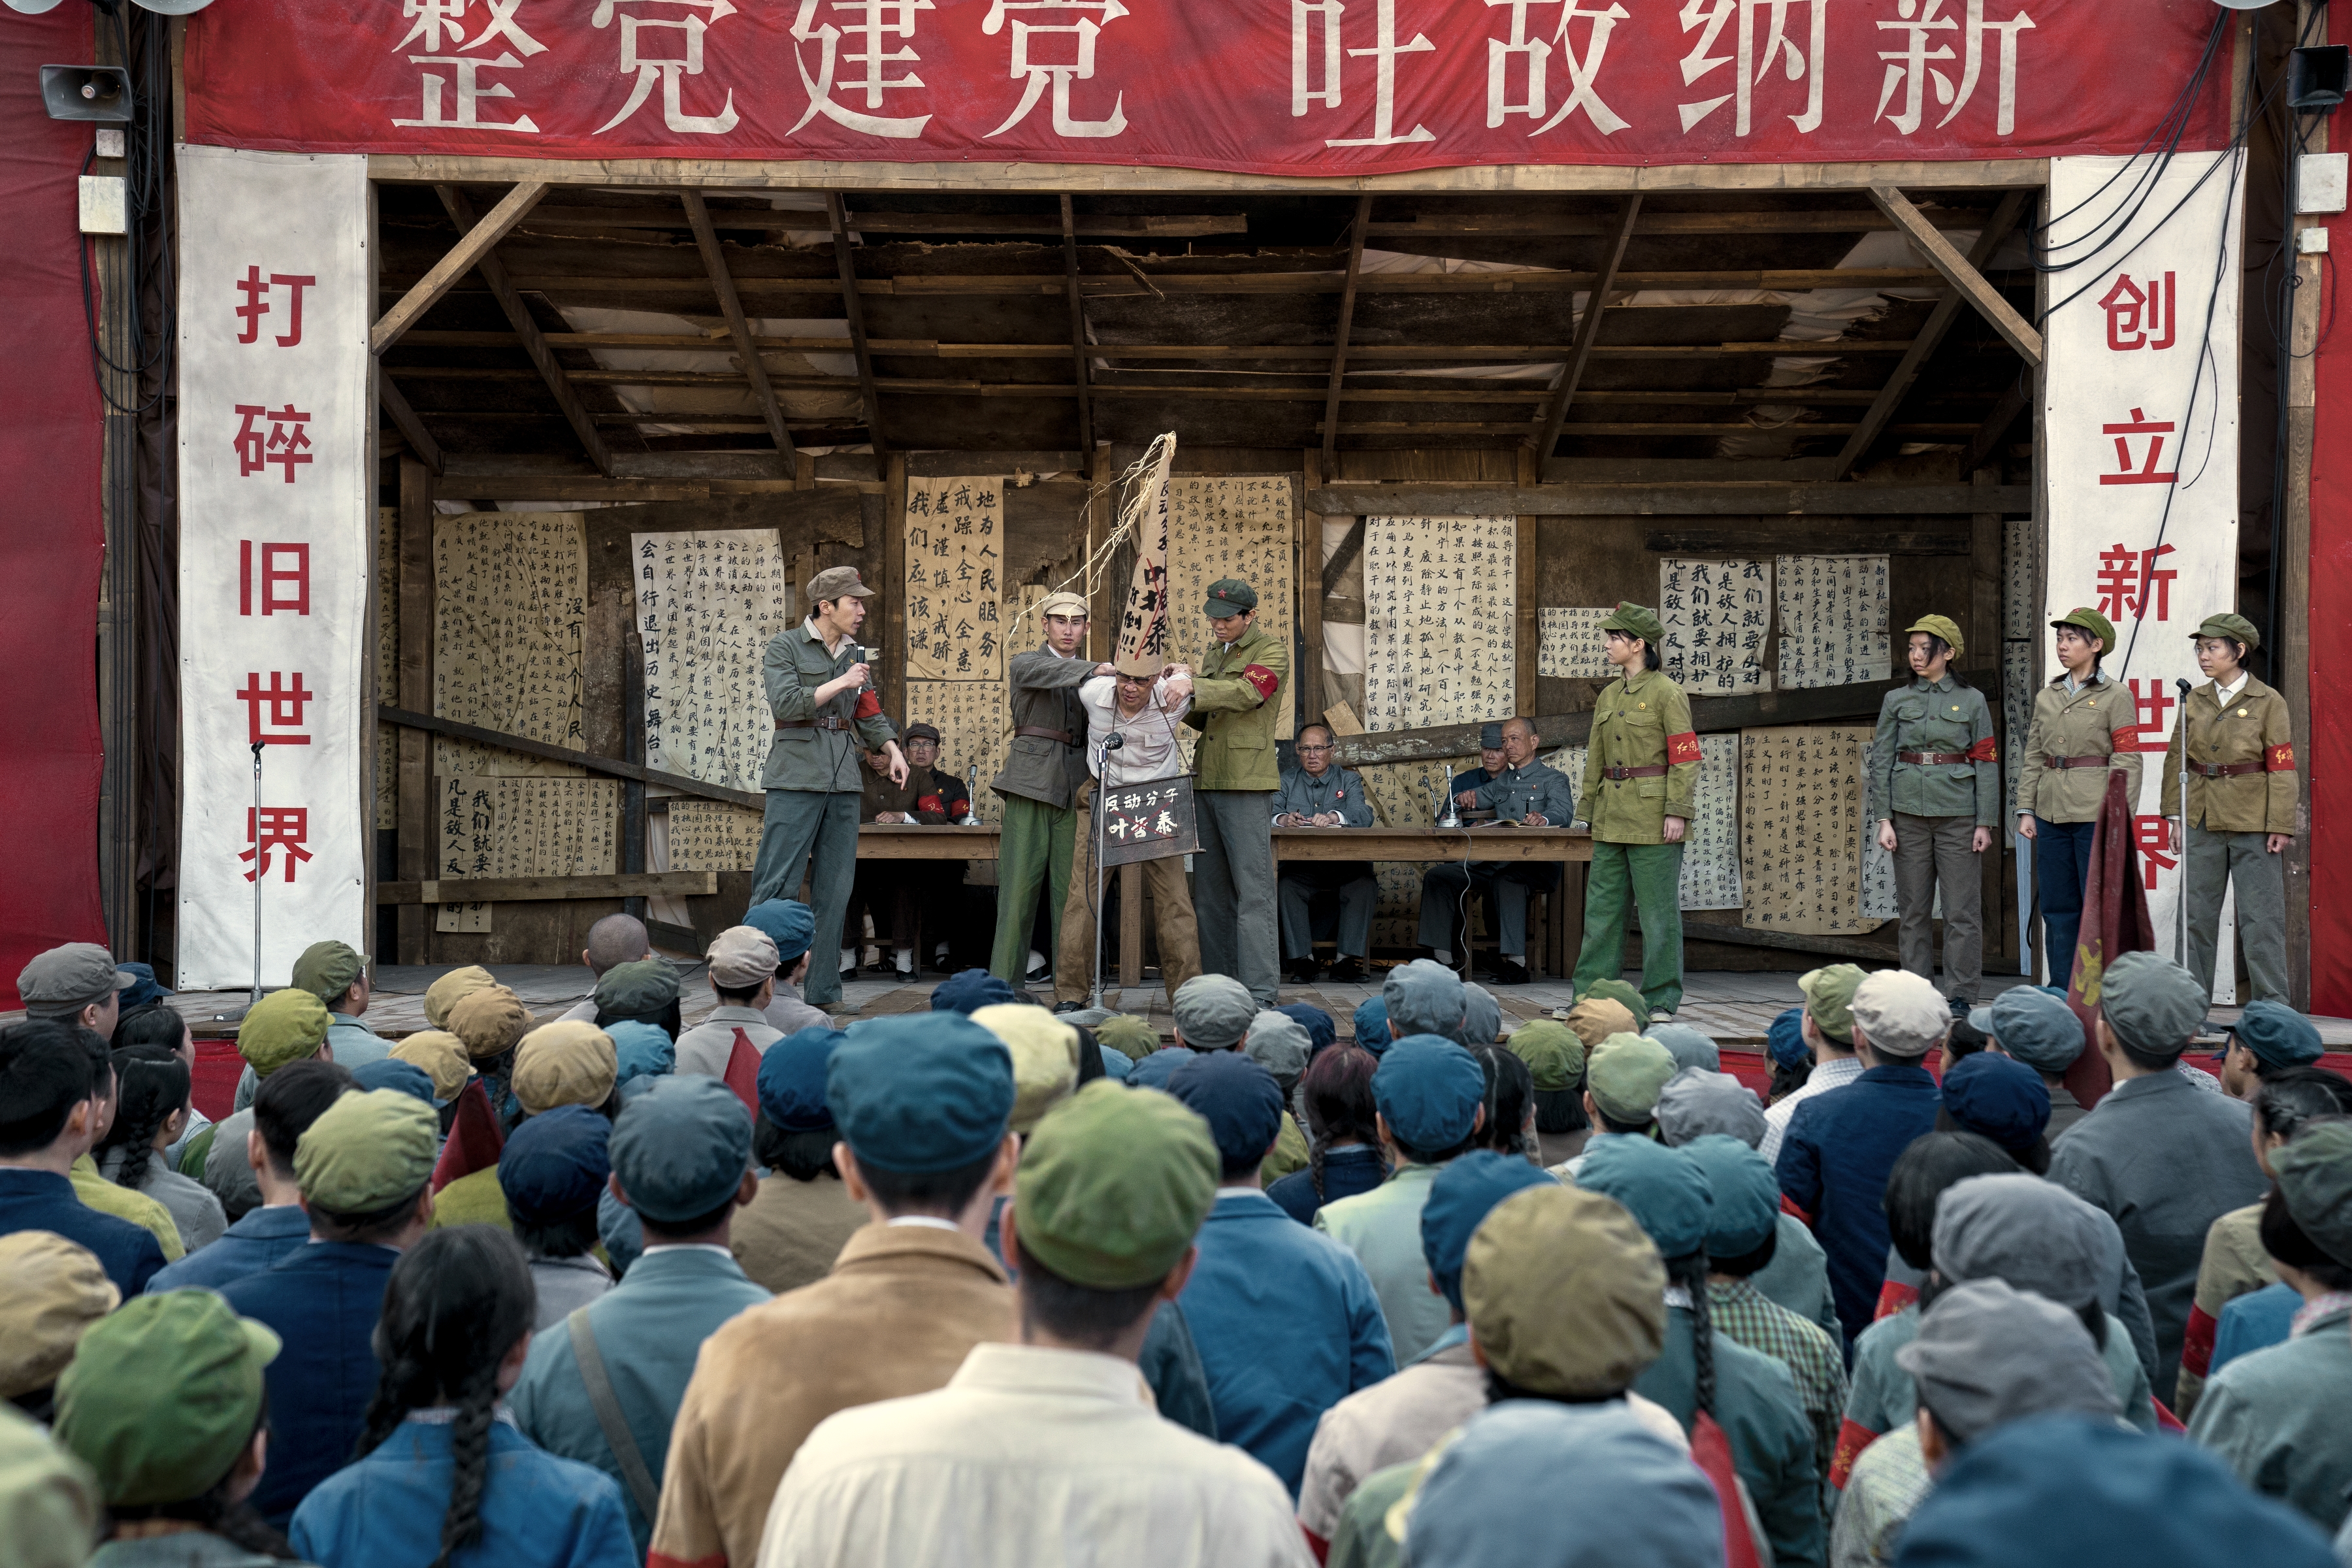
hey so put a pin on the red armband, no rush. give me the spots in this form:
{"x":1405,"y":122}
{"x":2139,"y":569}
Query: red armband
{"x":869,"y":703}
{"x":2278,"y":759}
{"x":1985,"y":751}
{"x":1853,"y":1438}
{"x":929,"y":802}
{"x":1682,"y":748}
{"x":1893,"y":1298}
{"x":1264,"y":680}
{"x":2197,"y":1344}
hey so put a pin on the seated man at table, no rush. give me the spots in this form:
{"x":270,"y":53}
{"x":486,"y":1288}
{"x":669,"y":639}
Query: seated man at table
{"x":1528,"y":793}
{"x":896,"y":892}
{"x":1315,"y":793}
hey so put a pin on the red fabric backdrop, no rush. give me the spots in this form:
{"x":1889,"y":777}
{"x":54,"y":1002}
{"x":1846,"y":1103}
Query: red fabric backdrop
{"x":52,"y":543}
{"x":2330,"y":763}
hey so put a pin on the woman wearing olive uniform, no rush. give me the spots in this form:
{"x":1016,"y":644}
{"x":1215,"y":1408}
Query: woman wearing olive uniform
{"x":2078,"y":738}
{"x":1935,"y":792}
{"x":1638,"y":776}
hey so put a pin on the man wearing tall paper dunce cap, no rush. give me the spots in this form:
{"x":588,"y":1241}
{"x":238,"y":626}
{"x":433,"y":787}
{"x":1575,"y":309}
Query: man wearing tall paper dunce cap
{"x":1238,"y":696}
{"x":827,"y":716}
{"x":1043,"y":766}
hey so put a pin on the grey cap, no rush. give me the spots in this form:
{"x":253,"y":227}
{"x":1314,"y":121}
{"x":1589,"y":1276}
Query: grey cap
{"x":2034,"y":1233}
{"x":1696,"y":1102}
{"x":1690,"y":1047}
{"x":2033,"y":1027}
{"x":1987,"y":1354}
{"x":1424,"y":997}
{"x":1276,"y":1042}
{"x":1482,"y":1017}
{"x":837,"y":582}
{"x":1490,"y":736}
{"x":67,"y":979}
{"x":2151,"y":1004}
{"x":1213,"y":1012}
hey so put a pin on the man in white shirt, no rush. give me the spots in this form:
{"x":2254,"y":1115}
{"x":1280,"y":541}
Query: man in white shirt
{"x":1143,"y":705}
{"x":1049,"y":1450}
{"x":1829,"y":1030}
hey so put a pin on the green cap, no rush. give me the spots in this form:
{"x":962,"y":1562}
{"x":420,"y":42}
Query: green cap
{"x":1829,"y":999}
{"x":367,"y":1151}
{"x":1624,"y":995}
{"x":1131,"y":1036}
{"x":283,"y":1026}
{"x":327,"y":969}
{"x":636,"y":989}
{"x":1636,"y":621}
{"x":1565,"y":1293}
{"x":2237,"y":628}
{"x":1942,"y":627}
{"x":1113,"y":1187}
{"x":1228,"y":596}
{"x":1624,"y":1074}
{"x":46,"y":1496}
{"x":1555,"y":1056}
{"x":2083,"y":618}
{"x":164,"y":1395}
{"x":2314,"y":1178}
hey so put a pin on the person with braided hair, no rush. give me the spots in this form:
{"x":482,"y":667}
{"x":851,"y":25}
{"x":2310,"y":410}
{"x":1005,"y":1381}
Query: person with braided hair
{"x":439,"y":1477}
{"x":1343,"y":1156}
{"x":151,"y":1110}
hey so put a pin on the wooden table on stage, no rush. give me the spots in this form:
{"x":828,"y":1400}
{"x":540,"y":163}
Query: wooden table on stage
{"x":918,"y":841}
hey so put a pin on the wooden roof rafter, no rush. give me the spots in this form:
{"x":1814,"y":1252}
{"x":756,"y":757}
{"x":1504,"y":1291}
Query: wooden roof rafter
{"x":755,"y":369}
{"x":856,"y":311}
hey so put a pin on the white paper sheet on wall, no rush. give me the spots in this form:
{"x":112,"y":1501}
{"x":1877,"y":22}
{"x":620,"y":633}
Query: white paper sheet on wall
{"x":1710,"y":879}
{"x":1438,"y":623}
{"x":707,"y":604}
{"x":1718,"y":617}
{"x":1832,"y":619}
{"x":1574,"y":647}
{"x":1236,"y":525}
{"x":509,"y":603}
{"x":955,"y":578}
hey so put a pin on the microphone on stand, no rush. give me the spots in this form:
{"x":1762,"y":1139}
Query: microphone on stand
{"x":971,"y":798}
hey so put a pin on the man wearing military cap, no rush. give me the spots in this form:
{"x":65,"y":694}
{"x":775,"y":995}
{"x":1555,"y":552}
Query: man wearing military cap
{"x":2079,"y":735}
{"x":2240,"y":808}
{"x":79,"y":981}
{"x":826,"y":713}
{"x":1043,"y":767}
{"x":1640,"y":773}
{"x":1238,"y":697}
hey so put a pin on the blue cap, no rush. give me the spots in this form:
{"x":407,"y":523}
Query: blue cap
{"x":640,"y":1050}
{"x":1465,"y":1191}
{"x":971,"y":991}
{"x":1373,"y":1024}
{"x":1743,"y":1195}
{"x":920,"y":1093}
{"x":2005,"y":1100}
{"x":1490,"y":735}
{"x":792,"y":1080}
{"x":1154,"y":1071}
{"x":1428,"y":1091}
{"x":1320,"y":1030}
{"x":1117,"y":1065}
{"x":2277,"y":1034}
{"x":1502,"y":1487}
{"x":1690,"y":1047}
{"x":554,"y":1165}
{"x":1424,"y":997}
{"x":390,"y":1072}
{"x":2074,"y":1491}
{"x":1665,"y":1193}
{"x":144,"y":991}
{"x":1787,"y":1041}
{"x":681,"y":1148}
{"x":2034,"y":1026}
{"x":788,"y":923}
{"x":1237,"y":1097}
{"x":1482,"y":1018}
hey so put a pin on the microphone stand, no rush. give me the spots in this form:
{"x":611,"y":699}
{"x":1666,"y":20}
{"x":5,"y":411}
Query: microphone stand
{"x":2180,"y":901}
{"x":971,"y":818}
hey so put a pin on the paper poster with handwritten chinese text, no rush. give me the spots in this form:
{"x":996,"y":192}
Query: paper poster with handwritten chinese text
{"x":709,"y":603}
{"x":1439,"y":628}
{"x":1800,"y":808}
{"x":1574,"y":647}
{"x":955,"y":578}
{"x":1242,"y":526}
{"x":509,"y":601}
{"x":1717,"y":617}
{"x":712,"y":835}
{"x":1833,"y":628}
{"x":494,"y":824}
{"x":973,"y":719}
{"x":1710,"y":879}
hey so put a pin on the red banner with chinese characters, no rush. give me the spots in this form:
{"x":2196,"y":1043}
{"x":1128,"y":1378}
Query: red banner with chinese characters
{"x":2330,"y":625}
{"x":1274,"y":87}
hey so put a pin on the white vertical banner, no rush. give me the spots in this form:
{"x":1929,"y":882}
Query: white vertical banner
{"x":276,"y":426}
{"x":2140,"y":411}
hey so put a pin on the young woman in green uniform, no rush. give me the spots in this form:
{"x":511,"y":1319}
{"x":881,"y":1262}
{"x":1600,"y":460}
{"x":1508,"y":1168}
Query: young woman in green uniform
{"x":2079,"y":735}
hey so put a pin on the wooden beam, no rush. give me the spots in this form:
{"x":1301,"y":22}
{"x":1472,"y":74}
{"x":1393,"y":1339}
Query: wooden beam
{"x":1078,"y":327}
{"x":1996,"y":426}
{"x":526,"y":889}
{"x":1730,"y":541}
{"x":892,"y":687}
{"x":855,"y":311}
{"x":1352,"y":545}
{"x":557,"y":489}
{"x":1588,"y":331}
{"x":714,"y":261}
{"x":932,"y":348}
{"x":1526,"y":592}
{"x":1960,"y":273}
{"x":1789,"y":942}
{"x":1743,"y":500}
{"x":772,"y":220}
{"x":534,"y":341}
{"x":1939,"y":431}
{"x":403,"y":419}
{"x":1931,"y":337}
{"x":1844,"y":220}
{"x":1356,"y":232}
{"x":1307,"y":537}
{"x":415,"y":844}
{"x":409,"y":719}
{"x":474,"y":242}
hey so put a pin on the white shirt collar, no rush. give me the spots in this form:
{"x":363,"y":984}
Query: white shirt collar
{"x":2229,"y":694}
{"x":833,"y":647}
{"x":924,"y":1221}
{"x":686,"y":1246}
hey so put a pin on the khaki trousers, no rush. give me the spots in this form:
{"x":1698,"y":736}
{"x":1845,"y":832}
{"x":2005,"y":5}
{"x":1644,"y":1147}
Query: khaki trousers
{"x":1930,"y":851}
{"x":1171,"y":903}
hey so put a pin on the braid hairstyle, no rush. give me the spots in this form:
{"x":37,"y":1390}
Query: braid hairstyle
{"x":455,"y":1305}
{"x":211,"y":1512}
{"x":1690,"y":1272}
{"x":1337,"y":1090}
{"x":152,"y":1083}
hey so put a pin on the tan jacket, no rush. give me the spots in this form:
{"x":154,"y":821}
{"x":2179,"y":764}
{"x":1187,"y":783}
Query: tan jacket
{"x":903,"y":1306}
{"x":2254,"y":730}
{"x":2090,"y":723}
{"x":789,"y":1235}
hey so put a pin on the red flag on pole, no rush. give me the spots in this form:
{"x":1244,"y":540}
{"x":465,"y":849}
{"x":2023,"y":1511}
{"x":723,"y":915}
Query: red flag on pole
{"x":2114,"y":921}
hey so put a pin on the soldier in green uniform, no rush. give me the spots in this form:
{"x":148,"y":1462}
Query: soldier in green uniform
{"x":1638,"y":776}
{"x":1238,"y":693}
{"x":1935,"y":792}
{"x":2081,"y":733}
{"x":826,"y":718}
{"x":2241,"y":805}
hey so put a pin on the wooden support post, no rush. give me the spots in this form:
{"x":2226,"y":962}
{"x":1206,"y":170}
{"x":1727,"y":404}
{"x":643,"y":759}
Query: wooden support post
{"x":1078,"y":328}
{"x":405,"y":420}
{"x":1996,"y":426}
{"x":855,"y":309}
{"x":1106,"y":600}
{"x":1524,"y":594}
{"x":2292,"y":614}
{"x":413,"y":798}
{"x":1309,"y":578}
{"x":474,"y":241}
{"x":1588,"y":331}
{"x":1960,"y":273}
{"x":526,"y":326}
{"x":1356,"y":232}
{"x":894,"y":596}
{"x":1983,"y":624}
{"x":714,"y":261}
{"x":1130,"y":933}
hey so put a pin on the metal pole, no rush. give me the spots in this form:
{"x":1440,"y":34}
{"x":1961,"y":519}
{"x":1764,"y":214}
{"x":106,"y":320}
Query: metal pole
{"x":1102,"y":767}
{"x":260,"y":865}
{"x":2180,"y":899}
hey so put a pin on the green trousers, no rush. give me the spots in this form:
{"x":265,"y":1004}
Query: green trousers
{"x":1649,"y":876}
{"x":1034,"y":857}
{"x":2218,"y":862}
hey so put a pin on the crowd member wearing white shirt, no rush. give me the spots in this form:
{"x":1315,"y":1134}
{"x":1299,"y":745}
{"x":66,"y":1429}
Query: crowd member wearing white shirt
{"x":1142,"y":705}
{"x":1829,"y":1030}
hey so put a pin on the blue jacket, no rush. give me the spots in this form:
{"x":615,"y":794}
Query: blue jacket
{"x":649,"y":1328}
{"x":323,"y":1301}
{"x":43,"y":1200}
{"x":537,"y":1511}
{"x":1288,"y":1325}
{"x":251,"y":1245}
{"x":1833,"y":1164}
{"x":1345,"y":1172}
{"x":1763,"y":1419}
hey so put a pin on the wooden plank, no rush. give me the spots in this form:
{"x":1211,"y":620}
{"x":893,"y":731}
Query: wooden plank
{"x":1731,"y":541}
{"x":408,"y":720}
{"x":534,"y":342}
{"x":930,"y":347}
{"x":1997,"y":423}
{"x":714,"y":261}
{"x":1943,"y":431}
{"x":1339,"y":336}
{"x":473,"y":243}
{"x":562,"y":488}
{"x":769,"y":220}
{"x":1431,"y":846}
{"x":2015,"y":329}
{"x":1788,"y":942}
{"x":1588,"y":330}
{"x":1526,"y":592}
{"x":415,"y":842}
{"x":855,"y":311}
{"x":403,"y":419}
{"x":893,"y":684}
{"x":523,"y":889}
{"x":1078,"y":369}
{"x":1844,"y":220}
{"x":1757,"y":500}
{"x":1106,"y":597}
{"x":877,"y":842}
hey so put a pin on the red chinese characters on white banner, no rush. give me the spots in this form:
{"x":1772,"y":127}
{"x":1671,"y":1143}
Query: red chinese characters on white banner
{"x":2140,"y":409}
{"x":275,"y":437}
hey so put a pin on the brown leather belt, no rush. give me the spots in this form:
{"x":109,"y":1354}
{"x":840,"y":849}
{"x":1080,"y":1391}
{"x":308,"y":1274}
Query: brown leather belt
{"x":1061,"y":735}
{"x":2062,"y":763}
{"x":2224,"y":770}
{"x":827,"y":723}
{"x":1657,"y":771}
{"x":1932,"y":759}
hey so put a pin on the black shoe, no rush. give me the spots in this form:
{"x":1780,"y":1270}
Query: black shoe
{"x":1347,"y":970}
{"x":1069,"y":1006}
{"x":903,"y":976}
{"x":1962,"y":1005}
{"x":1304,"y":970}
{"x":1509,"y":973}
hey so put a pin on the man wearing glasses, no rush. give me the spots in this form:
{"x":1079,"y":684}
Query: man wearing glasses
{"x":1316,"y":794}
